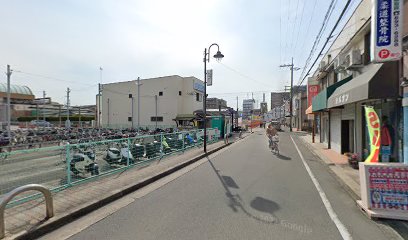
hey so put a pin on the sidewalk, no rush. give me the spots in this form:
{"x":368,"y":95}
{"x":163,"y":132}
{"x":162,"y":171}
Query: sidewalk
{"x":79,"y":200}
{"x":336,"y":162}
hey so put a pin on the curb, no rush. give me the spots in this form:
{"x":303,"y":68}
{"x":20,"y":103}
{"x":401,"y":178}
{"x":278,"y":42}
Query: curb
{"x":75,"y":214}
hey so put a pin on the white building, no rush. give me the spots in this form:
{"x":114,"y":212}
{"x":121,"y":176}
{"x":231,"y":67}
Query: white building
{"x":247,"y":106}
{"x":162,"y":100}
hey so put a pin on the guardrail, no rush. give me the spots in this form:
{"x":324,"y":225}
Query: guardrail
{"x":31,"y":187}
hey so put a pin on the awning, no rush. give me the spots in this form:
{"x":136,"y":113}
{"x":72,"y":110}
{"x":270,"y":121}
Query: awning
{"x":319,"y":102}
{"x":185,"y":117}
{"x":378,"y":81}
{"x":309,"y":110}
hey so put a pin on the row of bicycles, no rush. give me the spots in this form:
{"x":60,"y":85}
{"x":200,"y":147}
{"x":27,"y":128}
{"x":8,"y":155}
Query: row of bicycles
{"x":87,"y":158}
{"x":34,"y":138}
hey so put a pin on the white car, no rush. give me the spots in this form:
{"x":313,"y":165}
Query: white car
{"x":40,"y":123}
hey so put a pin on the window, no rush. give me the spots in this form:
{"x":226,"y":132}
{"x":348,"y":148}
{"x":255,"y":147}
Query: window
{"x":160,"y":93}
{"x":129,"y":119}
{"x":198,"y":97}
{"x":367,"y":46}
{"x":130,"y":95}
{"x":179,"y":93}
{"x":156,"y":119}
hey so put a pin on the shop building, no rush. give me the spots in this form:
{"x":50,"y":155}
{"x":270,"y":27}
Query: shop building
{"x":348,"y":81}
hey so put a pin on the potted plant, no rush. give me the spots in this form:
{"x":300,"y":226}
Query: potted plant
{"x":354,"y":160}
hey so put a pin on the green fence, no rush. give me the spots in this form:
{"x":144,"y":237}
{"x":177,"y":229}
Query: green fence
{"x":61,"y":167}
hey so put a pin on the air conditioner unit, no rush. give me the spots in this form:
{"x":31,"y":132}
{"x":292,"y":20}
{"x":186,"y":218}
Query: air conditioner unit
{"x":322,"y":66}
{"x":338,"y":63}
{"x":353,"y":59}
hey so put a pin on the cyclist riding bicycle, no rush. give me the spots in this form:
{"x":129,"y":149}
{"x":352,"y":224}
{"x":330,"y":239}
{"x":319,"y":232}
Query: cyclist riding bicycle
{"x":271,"y":132}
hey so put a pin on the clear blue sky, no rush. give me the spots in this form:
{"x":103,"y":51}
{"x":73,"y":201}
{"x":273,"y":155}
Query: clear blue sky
{"x":70,"y":40}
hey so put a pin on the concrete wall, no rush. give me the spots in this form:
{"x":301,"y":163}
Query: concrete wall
{"x":168,"y":105}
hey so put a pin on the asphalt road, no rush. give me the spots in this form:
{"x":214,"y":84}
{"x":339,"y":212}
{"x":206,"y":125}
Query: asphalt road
{"x":245,"y":192}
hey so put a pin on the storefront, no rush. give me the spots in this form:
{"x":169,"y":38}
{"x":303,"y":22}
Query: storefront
{"x":324,"y":117}
{"x":377,"y":86}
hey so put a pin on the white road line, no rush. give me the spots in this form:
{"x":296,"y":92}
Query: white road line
{"x":340,"y":226}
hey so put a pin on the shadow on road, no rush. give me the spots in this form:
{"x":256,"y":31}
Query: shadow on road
{"x":236,"y":203}
{"x":283,"y":157}
{"x":264,"y":205}
{"x":230,"y":182}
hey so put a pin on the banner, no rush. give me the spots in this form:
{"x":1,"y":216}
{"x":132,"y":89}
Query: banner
{"x":386,"y":30}
{"x":312,"y":91}
{"x":209,"y":77}
{"x":374,"y":130}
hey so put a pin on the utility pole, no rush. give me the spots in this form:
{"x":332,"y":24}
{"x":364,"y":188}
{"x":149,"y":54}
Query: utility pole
{"x":8,"y":102}
{"x":138,"y":103}
{"x":109,"y":113}
{"x":68,"y":91}
{"x":292,"y":68}
{"x":237,"y":117}
{"x":155,"y":98}
{"x":59,"y":115}
{"x":132,"y":111}
{"x":99,"y":102}
{"x":79,"y":112}
{"x":99,"y":97}
{"x":43,"y":105}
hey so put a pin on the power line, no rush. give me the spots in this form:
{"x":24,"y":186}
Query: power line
{"x":243,"y":75}
{"x":294,"y":27}
{"x":308,"y":27}
{"x":319,"y":35}
{"x":51,"y":78}
{"x":286,"y":35}
{"x":280,"y":31}
{"x":300,"y":27}
{"x":327,"y":40}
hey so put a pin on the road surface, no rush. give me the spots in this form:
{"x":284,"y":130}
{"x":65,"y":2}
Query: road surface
{"x":246,"y":192}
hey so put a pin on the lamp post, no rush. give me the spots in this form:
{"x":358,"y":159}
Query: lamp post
{"x":206,"y":59}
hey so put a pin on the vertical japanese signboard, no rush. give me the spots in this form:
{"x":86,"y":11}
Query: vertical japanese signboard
{"x":386,"y":30}
{"x":312,"y":91}
{"x":209,"y":77}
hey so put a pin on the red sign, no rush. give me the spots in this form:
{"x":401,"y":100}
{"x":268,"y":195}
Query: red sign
{"x":384,"y":53}
{"x":312,"y":91}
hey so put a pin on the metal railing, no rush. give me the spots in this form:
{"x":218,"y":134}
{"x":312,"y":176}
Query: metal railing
{"x":31,"y":187}
{"x":60,"y":167}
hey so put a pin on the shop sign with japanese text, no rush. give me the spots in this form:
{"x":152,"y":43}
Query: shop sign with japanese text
{"x":386,"y":30}
{"x":388,"y":187}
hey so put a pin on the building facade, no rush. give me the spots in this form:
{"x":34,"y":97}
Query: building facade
{"x":247,"y":106}
{"x":216,"y":103}
{"x":162,"y":101}
{"x":348,"y":81}
{"x":20,"y":99}
{"x":278,"y":98}
{"x":299,"y":118}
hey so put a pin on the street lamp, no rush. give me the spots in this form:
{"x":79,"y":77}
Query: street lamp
{"x":218,"y":56}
